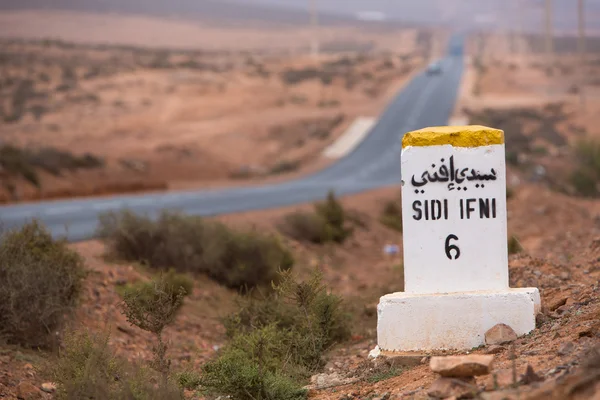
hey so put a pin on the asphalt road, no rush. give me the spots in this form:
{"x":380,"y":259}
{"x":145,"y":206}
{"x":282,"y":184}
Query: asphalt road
{"x":425,"y":101}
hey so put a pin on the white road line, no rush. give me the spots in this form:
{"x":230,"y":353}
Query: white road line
{"x":351,"y":138}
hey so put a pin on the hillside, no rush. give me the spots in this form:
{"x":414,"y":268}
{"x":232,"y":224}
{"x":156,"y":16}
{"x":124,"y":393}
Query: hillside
{"x":207,"y":10}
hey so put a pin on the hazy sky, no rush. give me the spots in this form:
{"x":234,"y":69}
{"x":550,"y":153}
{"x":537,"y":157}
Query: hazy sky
{"x":505,"y":11}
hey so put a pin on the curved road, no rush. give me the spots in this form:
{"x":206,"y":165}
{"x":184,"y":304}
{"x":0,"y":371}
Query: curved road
{"x":425,"y":101}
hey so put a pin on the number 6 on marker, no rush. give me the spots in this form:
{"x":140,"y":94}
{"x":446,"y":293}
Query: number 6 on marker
{"x":450,"y":247}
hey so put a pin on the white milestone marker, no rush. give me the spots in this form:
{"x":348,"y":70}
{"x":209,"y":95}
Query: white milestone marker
{"x":455,"y":245}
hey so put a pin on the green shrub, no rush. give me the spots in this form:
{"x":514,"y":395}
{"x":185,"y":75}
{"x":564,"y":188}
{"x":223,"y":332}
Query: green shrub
{"x":88,"y":369}
{"x":585,"y":182}
{"x":586,"y":177}
{"x":234,"y":373}
{"x":305,"y":226}
{"x":391,"y":215}
{"x":277,"y":341}
{"x":175,"y":285}
{"x":152,"y":308}
{"x":328,"y":223}
{"x":40,"y":282}
{"x":335,"y":217}
{"x":236,"y":259}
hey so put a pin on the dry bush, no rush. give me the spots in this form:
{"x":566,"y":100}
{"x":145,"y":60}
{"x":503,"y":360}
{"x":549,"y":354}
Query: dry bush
{"x":514,"y":246}
{"x":87,"y":369}
{"x":328,"y":223}
{"x":285,"y":166}
{"x":23,"y":163}
{"x":391,"y":216}
{"x":151,"y":308}
{"x":15,"y":162}
{"x":586,"y":177}
{"x":236,"y":259}
{"x":40,"y":282}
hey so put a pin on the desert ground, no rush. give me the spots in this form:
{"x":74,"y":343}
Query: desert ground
{"x":133,"y":117}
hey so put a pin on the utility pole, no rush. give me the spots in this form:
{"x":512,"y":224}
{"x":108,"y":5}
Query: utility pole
{"x":314,"y":22}
{"x":520,"y":34}
{"x":581,"y":48}
{"x":549,"y":33}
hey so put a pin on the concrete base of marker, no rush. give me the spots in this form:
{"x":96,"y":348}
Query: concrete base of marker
{"x":452,"y":321}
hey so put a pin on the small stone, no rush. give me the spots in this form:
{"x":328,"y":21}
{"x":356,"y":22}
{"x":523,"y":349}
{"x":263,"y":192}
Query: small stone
{"x":530,"y":376}
{"x":501,"y":379}
{"x":124,"y":329}
{"x":48,"y":387}
{"x":560,"y":302}
{"x":399,"y":360}
{"x":26,"y":391}
{"x":462,"y":366}
{"x":121,"y":282}
{"x":541,"y":319}
{"x":562,"y":310}
{"x":566,"y":348}
{"x":324,"y":381}
{"x":375,"y":352}
{"x":384,"y":396}
{"x":449,"y":387}
{"x":494,"y":349}
{"x":500,"y":334}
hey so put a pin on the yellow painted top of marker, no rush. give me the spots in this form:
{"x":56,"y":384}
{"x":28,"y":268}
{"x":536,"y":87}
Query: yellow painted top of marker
{"x":457,"y":136}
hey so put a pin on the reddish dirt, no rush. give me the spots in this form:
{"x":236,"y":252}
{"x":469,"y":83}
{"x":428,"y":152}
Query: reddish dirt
{"x":186,"y":119}
{"x":562,"y":246}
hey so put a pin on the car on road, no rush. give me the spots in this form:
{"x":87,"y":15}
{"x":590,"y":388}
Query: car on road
{"x":434,"y":68}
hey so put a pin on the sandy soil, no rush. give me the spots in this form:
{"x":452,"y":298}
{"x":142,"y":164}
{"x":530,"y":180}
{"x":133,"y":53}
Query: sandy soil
{"x":181,"y":118}
{"x":560,"y":252}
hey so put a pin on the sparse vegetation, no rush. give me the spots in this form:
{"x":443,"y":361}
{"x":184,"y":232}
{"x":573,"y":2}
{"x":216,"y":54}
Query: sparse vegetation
{"x":514,"y":246}
{"x":383,"y":375}
{"x":585,"y":179}
{"x":18,"y":163}
{"x":175,"y":285}
{"x":391,"y":216}
{"x":236,"y":259}
{"x":327,"y":223}
{"x":277,"y":341}
{"x":40,"y":283}
{"x":88,"y":369}
{"x":152,"y":308}
{"x":285,"y":166}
